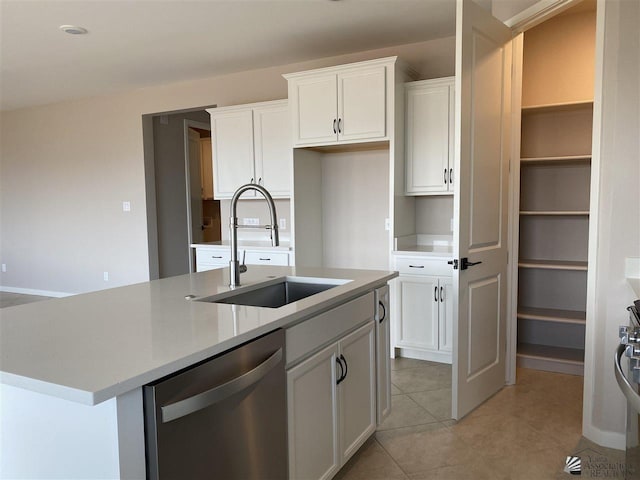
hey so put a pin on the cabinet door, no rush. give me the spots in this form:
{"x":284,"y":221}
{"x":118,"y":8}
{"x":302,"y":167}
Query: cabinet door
{"x":418,"y":316}
{"x":445,"y":314}
{"x":314,"y":103}
{"x":313,"y":417}
{"x":383,"y":354}
{"x":362,"y":104}
{"x":232,"y":145}
{"x":357,"y":391}
{"x":273,"y":148}
{"x":428,"y":139}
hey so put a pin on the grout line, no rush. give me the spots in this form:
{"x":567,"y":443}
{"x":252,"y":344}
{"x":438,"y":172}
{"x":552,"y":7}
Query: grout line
{"x":392,"y":458}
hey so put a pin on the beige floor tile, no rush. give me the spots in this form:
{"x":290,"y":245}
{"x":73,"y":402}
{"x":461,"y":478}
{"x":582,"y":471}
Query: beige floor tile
{"x":400,"y":363}
{"x":499,"y":435}
{"x":419,"y":449}
{"x":420,"y":379}
{"x":526,"y":465}
{"x":395,"y":390}
{"x":405,"y":412}
{"x":436,"y":402}
{"x":470,"y":471}
{"x":371,"y":462}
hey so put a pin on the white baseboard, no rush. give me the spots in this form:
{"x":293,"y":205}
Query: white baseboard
{"x":605,"y":438}
{"x":31,"y":291}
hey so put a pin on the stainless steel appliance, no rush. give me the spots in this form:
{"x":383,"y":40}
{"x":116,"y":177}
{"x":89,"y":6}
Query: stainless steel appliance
{"x":224,"y":418}
{"x":627,"y":359}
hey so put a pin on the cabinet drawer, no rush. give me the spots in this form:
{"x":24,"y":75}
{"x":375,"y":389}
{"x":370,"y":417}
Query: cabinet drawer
{"x":211,"y":256}
{"x":423,"y":266}
{"x":266,"y":258}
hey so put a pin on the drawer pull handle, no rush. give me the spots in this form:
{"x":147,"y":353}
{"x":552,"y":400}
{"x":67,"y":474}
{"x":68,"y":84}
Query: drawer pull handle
{"x":265,"y":259}
{"x":416,"y":266}
{"x":216,"y":256}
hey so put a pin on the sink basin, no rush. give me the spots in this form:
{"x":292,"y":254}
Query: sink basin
{"x":276,"y":293}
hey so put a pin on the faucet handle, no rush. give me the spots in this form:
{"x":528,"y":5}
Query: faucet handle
{"x":243,"y":267}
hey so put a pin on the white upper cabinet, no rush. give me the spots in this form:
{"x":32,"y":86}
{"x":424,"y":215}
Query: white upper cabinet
{"x":251,"y":144}
{"x":343,"y":104}
{"x":429,"y":137}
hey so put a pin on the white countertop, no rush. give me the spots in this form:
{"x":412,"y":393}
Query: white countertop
{"x":91,"y":347}
{"x":424,"y":245}
{"x":247,"y":244}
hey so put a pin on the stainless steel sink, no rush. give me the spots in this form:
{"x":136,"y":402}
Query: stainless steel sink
{"x":276,"y":293}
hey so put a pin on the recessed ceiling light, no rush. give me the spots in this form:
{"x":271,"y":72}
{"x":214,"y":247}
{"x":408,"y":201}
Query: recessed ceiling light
{"x":73,"y":30}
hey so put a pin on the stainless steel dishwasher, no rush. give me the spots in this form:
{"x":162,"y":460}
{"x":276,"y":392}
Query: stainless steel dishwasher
{"x":225,"y":418}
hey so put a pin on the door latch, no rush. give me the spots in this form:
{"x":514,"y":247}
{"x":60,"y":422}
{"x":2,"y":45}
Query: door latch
{"x":464,"y":263}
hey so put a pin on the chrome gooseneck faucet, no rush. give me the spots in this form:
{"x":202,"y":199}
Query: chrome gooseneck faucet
{"x":235,"y":269}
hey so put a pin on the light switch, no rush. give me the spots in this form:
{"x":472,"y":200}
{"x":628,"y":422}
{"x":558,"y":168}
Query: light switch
{"x":283,"y":224}
{"x":126,"y":206}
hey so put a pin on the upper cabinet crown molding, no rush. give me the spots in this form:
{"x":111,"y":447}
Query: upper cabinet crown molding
{"x":251,"y":144}
{"x":343,"y":104}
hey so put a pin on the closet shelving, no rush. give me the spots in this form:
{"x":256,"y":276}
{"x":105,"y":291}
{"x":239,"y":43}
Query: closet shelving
{"x":554,"y":222}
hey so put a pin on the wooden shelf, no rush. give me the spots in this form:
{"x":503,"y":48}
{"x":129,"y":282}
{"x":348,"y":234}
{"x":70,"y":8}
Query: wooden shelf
{"x":557,"y":106}
{"x":552,"y":315}
{"x":556,"y":213}
{"x":551,"y":359}
{"x":558,"y":160}
{"x":553,"y":265}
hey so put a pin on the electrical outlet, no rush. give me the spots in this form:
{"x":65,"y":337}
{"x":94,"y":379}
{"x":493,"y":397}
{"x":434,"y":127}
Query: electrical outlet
{"x":126,"y":206}
{"x":452,"y":224}
{"x":283,"y":224}
{"x":387,"y":224}
{"x":4,"y":268}
{"x":251,"y":221}
{"x":105,"y":276}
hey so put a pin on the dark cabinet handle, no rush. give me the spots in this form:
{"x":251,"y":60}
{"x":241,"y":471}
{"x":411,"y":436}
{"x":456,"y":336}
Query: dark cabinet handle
{"x":265,"y":259}
{"x":445,"y":176}
{"x":451,"y":176}
{"x":334,"y":126}
{"x":384,"y":311}
{"x":341,"y":377}
{"x":216,"y":256}
{"x":416,"y":266}
{"x":346,"y":367}
{"x":441,"y":294}
{"x":435,"y":293}
{"x":339,"y":125}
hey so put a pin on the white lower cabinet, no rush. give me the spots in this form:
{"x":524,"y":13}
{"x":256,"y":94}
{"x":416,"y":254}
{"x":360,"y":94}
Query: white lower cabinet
{"x":331,"y":405}
{"x":210,"y":257}
{"x":383,"y":353}
{"x":423,"y":315}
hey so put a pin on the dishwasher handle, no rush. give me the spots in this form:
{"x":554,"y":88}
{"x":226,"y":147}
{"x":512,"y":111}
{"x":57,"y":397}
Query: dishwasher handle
{"x":626,"y":387}
{"x":179,"y":409}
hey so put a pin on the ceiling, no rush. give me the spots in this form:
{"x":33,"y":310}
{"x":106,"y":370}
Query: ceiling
{"x":133,"y":44}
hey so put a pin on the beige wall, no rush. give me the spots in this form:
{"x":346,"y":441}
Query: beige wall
{"x":66,"y":168}
{"x":558,"y":61}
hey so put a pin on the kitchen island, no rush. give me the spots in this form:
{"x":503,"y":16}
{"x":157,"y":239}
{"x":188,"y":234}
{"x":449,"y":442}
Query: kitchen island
{"x":72,"y":369}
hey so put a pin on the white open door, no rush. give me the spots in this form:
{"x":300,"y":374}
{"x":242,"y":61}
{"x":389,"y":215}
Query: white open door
{"x":482,"y":145}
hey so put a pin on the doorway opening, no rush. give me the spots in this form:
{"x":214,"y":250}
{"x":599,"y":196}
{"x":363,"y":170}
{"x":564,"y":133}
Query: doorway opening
{"x":175,"y":168}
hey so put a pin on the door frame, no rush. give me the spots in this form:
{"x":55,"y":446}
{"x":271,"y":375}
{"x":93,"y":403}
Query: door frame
{"x":539,"y":12}
{"x":202,"y":126}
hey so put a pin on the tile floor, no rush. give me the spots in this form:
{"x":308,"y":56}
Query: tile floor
{"x":525,"y":431}
{"x":12,"y":299}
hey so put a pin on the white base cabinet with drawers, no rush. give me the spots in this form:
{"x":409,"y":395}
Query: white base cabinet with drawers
{"x":211,"y":257}
{"x":423,"y":316}
{"x":331,"y":393}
